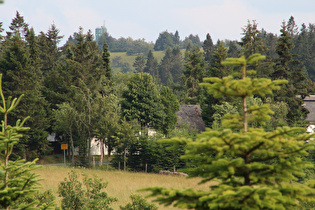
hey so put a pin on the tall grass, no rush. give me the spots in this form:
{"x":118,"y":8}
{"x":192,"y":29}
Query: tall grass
{"x":120,"y":184}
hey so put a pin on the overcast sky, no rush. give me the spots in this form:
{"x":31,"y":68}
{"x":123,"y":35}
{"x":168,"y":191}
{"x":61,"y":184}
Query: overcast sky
{"x":222,"y":19}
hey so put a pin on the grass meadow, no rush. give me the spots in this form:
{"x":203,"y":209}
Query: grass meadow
{"x":120,"y":184}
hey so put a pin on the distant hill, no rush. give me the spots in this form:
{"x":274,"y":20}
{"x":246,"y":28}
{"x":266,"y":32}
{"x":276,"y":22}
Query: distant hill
{"x":121,"y":62}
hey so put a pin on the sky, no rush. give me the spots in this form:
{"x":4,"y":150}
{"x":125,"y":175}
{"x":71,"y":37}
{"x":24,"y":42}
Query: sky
{"x":222,"y":19}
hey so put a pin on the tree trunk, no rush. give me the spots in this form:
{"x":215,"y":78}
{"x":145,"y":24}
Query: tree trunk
{"x":89,"y":151}
{"x":72,"y":147}
{"x":102,"y":153}
{"x":125,"y":159}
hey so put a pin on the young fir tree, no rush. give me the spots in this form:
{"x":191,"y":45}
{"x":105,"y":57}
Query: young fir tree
{"x":250,"y":168}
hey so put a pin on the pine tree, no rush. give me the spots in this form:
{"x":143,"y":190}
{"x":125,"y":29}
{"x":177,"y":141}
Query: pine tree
{"x":292,"y":27}
{"x":20,"y":67}
{"x":177,"y":66}
{"x":171,"y":106}
{"x":17,"y":179}
{"x":251,"y":41}
{"x":139,"y":64}
{"x":208,"y":48}
{"x":48,"y":46}
{"x":195,"y":70}
{"x":219,"y":55}
{"x":151,"y":66}
{"x":250,"y":168}
{"x":165,"y":67}
{"x":286,"y":67}
{"x":216,"y":69}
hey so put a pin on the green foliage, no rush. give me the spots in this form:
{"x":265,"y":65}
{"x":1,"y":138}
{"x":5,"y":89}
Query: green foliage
{"x":92,"y":196}
{"x":252,"y":42}
{"x":250,"y":167}
{"x":208,"y":48}
{"x":148,"y":151}
{"x":216,"y":69}
{"x":17,"y":181}
{"x":286,"y":67}
{"x":139,"y":63}
{"x":195,"y":69}
{"x":220,"y":111}
{"x":20,"y":66}
{"x":43,"y":200}
{"x":138,"y":203}
{"x":171,"y":106}
{"x":142,"y":101}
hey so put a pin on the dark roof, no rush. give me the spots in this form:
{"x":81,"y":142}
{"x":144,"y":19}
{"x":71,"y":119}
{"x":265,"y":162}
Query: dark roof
{"x":309,"y":104}
{"x":191,"y":114}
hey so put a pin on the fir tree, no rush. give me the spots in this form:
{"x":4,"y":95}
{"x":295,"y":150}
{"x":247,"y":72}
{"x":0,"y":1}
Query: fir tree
{"x":106,"y":64}
{"x":286,"y":67}
{"x":171,"y":106}
{"x":216,"y":68}
{"x":151,"y":66}
{"x":208,"y":48}
{"x":250,"y":167}
{"x":20,"y":67}
{"x":17,"y":179}
{"x":251,"y":41}
{"x":139,"y":64}
{"x":165,"y":67}
{"x":195,"y":70}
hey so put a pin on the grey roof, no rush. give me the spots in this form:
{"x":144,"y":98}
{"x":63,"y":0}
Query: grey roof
{"x":191,"y":114}
{"x":309,"y":104}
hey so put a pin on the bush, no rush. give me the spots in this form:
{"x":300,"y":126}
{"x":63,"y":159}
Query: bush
{"x":92,"y":197}
{"x":138,"y":203}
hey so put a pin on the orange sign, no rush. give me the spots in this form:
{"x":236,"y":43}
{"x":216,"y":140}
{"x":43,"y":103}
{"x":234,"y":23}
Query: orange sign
{"x":64,"y":146}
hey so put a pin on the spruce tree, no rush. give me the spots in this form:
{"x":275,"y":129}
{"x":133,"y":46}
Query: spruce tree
{"x":287,"y":67}
{"x":165,"y":67}
{"x":17,"y":179}
{"x":208,"y":48}
{"x":48,"y":46}
{"x":151,"y":66}
{"x":106,"y":61}
{"x":216,"y":68}
{"x":139,"y":64}
{"x":252,"y":41}
{"x":249,"y":168}
{"x":171,"y":106}
{"x":177,"y":66}
{"x":195,"y":69}
{"x":20,"y":67}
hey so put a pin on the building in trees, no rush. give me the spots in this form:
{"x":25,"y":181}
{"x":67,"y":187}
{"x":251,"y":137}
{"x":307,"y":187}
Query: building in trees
{"x":100,"y":31}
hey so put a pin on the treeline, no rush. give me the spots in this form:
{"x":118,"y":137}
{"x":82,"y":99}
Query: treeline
{"x":72,"y":92}
{"x":302,"y":38}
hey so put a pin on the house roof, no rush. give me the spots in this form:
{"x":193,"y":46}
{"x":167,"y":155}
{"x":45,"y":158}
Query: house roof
{"x":309,"y":104}
{"x":191,"y":114}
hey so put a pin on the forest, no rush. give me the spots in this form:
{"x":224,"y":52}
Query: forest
{"x":71,"y":91}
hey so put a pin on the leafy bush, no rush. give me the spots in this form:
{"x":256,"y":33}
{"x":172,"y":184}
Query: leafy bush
{"x":138,"y":203}
{"x":92,"y":197}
